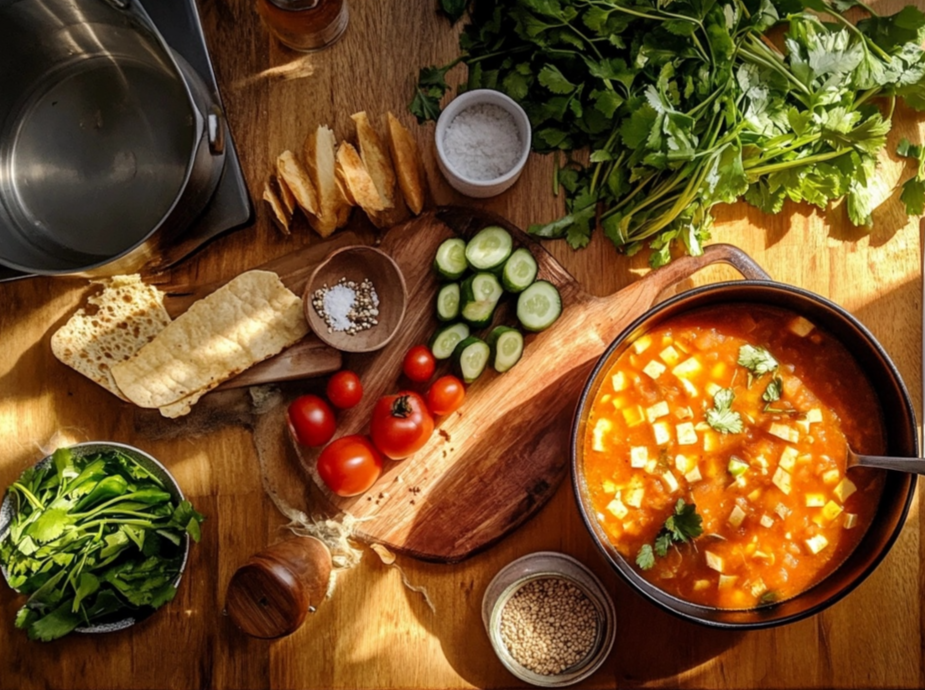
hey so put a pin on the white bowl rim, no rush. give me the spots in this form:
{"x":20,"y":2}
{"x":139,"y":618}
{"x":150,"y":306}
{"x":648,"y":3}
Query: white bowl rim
{"x":475,"y":97}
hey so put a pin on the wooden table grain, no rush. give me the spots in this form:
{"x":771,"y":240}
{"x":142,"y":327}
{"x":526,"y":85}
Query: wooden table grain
{"x":374,"y":632}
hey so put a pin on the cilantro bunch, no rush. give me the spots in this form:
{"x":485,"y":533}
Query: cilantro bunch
{"x":92,"y":539}
{"x":685,"y":104}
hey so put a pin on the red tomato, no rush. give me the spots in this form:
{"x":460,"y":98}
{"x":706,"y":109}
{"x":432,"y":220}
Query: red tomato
{"x":445,"y":395}
{"x":311,"y":420}
{"x":401,"y":424}
{"x":419,"y":364}
{"x":350,"y":465}
{"x":344,"y":389}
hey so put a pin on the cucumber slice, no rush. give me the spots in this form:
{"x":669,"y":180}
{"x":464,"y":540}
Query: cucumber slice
{"x":470,"y":358}
{"x":507,"y":346}
{"x":539,"y":306}
{"x":489,"y":248}
{"x":479,"y":295}
{"x":519,"y":271}
{"x":450,"y":259}
{"x":448,"y":302}
{"x":445,"y":340}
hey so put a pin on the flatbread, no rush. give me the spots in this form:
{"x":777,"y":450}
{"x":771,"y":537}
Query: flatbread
{"x":249,"y":319}
{"x":114,"y":325}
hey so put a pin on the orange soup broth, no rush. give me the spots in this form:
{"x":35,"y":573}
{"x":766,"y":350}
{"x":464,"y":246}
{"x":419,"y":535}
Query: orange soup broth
{"x":783,"y":514}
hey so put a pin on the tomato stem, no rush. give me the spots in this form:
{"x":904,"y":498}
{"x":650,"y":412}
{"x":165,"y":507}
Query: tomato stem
{"x":401,"y":407}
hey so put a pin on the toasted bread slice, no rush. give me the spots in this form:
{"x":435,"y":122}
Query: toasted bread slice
{"x":294,"y":177}
{"x":280,"y":211}
{"x":408,"y":166}
{"x":379,"y":164}
{"x":333,"y":208}
{"x":355,"y":180}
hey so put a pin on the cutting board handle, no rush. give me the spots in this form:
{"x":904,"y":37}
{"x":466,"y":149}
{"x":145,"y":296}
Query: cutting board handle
{"x":686,"y":266}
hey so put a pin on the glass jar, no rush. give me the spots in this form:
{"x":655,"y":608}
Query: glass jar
{"x":556,"y":566}
{"x":305,"y":25}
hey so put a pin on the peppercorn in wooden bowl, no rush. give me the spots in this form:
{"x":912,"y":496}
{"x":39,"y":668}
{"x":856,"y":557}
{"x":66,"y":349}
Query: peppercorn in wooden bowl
{"x":355,"y":300}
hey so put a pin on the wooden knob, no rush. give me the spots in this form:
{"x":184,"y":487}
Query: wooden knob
{"x":270,"y":595}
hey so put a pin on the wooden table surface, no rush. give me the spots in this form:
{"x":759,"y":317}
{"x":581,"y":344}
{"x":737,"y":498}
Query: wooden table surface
{"x":374,"y":632}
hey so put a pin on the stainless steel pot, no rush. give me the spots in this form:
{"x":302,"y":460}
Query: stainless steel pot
{"x":106,"y":136}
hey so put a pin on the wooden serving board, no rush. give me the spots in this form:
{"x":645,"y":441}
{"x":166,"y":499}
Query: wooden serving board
{"x":491,"y":465}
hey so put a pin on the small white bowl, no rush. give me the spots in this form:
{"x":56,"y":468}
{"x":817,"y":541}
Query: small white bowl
{"x":481,"y":189}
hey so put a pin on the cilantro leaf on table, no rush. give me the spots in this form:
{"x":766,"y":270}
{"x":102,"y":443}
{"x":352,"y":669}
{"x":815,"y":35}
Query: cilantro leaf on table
{"x":454,"y":9}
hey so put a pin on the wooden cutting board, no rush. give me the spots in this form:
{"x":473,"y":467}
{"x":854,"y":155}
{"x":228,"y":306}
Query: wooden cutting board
{"x":491,"y":465}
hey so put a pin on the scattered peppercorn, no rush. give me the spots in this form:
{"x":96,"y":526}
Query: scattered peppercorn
{"x":549,"y":625}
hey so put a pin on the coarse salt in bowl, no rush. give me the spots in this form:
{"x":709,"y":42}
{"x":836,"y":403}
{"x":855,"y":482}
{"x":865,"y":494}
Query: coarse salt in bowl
{"x":483,"y":141}
{"x":518,"y":603}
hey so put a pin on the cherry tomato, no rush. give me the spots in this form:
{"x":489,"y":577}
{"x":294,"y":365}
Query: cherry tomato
{"x":419,"y":364}
{"x":401,"y":424}
{"x":311,"y":420}
{"x":350,"y":465}
{"x":344,"y":389}
{"x":445,"y":395}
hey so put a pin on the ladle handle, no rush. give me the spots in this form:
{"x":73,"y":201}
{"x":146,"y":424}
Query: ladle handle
{"x":883,"y":462}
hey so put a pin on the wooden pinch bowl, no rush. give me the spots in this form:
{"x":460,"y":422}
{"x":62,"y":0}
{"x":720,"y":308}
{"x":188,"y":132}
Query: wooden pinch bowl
{"x":355,"y":263}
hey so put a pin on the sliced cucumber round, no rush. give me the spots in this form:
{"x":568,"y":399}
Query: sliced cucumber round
{"x":479,"y":295}
{"x":507,"y":346}
{"x":444,"y":341}
{"x":448,"y":302}
{"x":519,"y":271}
{"x":539,"y":306}
{"x":450,"y":259}
{"x":470,"y":358}
{"x":489,"y":249}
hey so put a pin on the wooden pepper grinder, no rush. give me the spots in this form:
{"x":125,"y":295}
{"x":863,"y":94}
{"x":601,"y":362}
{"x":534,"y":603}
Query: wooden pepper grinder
{"x":270,"y":595}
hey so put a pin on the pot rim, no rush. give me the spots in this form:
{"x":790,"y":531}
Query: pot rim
{"x":764,"y":616}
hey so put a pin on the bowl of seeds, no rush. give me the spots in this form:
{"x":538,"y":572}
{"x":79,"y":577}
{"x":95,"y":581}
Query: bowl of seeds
{"x":549,"y":619}
{"x":355,"y":299}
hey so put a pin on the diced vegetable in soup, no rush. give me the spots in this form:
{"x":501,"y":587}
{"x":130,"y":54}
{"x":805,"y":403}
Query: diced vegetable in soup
{"x":715,"y":455}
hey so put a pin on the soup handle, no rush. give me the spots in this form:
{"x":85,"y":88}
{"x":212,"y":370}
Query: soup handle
{"x":686,"y":266}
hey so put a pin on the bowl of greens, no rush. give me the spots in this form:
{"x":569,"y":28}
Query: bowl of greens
{"x":97,"y":535}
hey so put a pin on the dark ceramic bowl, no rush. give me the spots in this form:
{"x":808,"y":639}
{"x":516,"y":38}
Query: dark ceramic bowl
{"x":898,"y":418}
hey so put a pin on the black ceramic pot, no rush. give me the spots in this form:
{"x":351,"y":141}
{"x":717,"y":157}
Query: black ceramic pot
{"x":898,"y":417}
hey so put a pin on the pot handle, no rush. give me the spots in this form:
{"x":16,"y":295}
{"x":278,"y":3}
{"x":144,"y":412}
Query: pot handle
{"x":686,"y":266}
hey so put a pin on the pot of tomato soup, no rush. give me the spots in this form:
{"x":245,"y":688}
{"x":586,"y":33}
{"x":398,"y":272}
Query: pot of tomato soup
{"x":708,"y":454}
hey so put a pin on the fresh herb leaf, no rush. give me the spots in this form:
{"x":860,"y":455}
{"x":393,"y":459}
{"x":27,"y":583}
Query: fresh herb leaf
{"x":645,"y":559}
{"x":431,"y":87}
{"x":454,"y":9}
{"x":682,"y":526}
{"x":773,"y":392}
{"x":757,"y":360}
{"x":722,"y":417}
{"x":685,"y":524}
